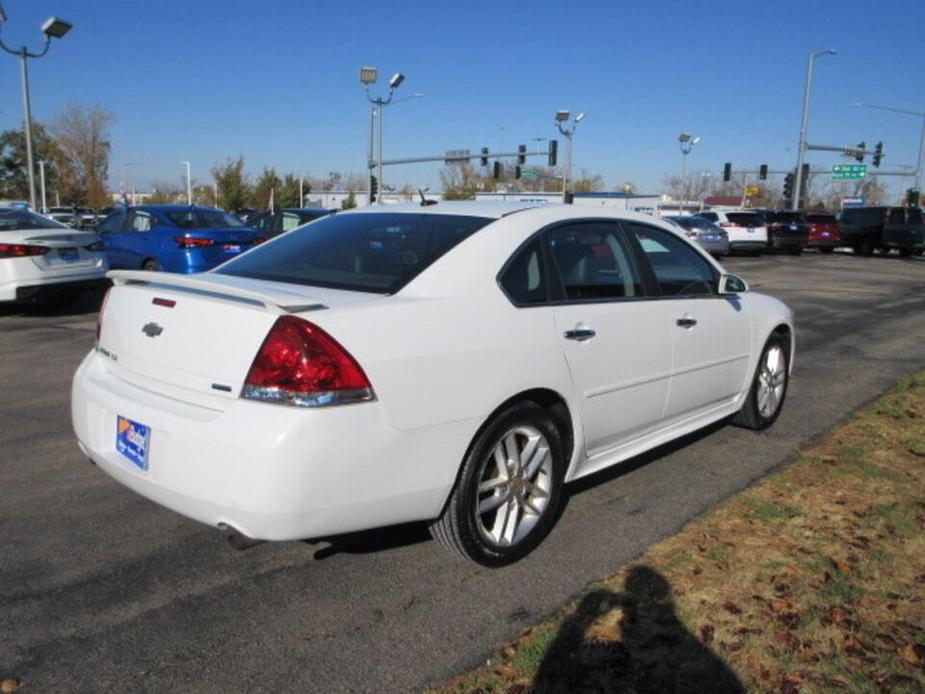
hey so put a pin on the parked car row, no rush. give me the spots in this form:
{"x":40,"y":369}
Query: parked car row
{"x":863,"y":229}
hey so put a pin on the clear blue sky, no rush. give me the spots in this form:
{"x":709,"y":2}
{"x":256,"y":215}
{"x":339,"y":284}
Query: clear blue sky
{"x":276,"y":80}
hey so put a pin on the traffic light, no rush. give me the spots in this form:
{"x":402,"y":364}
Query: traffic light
{"x":373,"y":188}
{"x":553,"y":152}
{"x":496,"y":173}
{"x":878,"y":154}
{"x":805,"y":170}
{"x":859,"y":156}
{"x":727,"y":171}
{"x":484,"y":159}
{"x":763,"y":172}
{"x":517,"y":171}
{"x":912,"y":197}
{"x":788,"y":188}
{"x":521,"y":155}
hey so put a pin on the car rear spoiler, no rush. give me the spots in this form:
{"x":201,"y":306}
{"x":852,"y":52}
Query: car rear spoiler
{"x":196,"y":285}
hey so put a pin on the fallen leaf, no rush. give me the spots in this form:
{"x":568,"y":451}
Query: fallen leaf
{"x":790,"y":684}
{"x":706,"y":633}
{"x":9,"y":685}
{"x":852,"y":646}
{"x":731,"y":607}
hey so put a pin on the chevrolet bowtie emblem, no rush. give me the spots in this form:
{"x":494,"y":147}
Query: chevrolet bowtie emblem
{"x":152,"y":329}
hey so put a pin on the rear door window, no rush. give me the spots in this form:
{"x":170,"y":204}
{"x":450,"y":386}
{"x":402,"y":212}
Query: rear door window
{"x":915,"y":215}
{"x":712,"y":216}
{"x":593,"y":261}
{"x":897,"y":216}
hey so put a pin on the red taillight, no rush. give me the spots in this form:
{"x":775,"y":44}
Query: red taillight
{"x":726,"y":224}
{"x":192,"y":242}
{"x":20,"y":250}
{"x":300,"y":364}
{"x":95,"y":247}
{"x":99,"y":318}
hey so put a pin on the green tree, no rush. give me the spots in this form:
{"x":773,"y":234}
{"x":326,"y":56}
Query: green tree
{"x":233,"y":187}
{"x":287,"y":195}
{"x":14,"y":184}
{"x":349,"y":202}
{"x":267,"y":181}
{"x":82,"y":154}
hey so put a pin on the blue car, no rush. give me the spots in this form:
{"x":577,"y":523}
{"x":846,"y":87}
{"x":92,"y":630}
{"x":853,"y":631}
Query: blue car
{"x":173,"y":238}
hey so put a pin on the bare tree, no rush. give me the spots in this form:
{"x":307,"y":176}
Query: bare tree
{"x":82,"y":154}
{"x":688,"y":188}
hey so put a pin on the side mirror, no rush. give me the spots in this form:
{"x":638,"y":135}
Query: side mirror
{"x":730,"y":284}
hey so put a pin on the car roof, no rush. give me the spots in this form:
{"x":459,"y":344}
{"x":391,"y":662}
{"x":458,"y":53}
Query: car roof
{"x":171,"y":208}
{"x":469,"y":208}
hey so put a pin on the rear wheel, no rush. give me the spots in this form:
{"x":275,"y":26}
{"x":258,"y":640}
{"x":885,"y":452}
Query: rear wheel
{"x":508,"y":490}
{"x":794,"y":251}
{"x":918,"y":251}
{"x":769,"y":387}
{"x":825,"y":249}
{"x":865,"y":248}
{"x":905,"y":252}
{"x":151,"y":265}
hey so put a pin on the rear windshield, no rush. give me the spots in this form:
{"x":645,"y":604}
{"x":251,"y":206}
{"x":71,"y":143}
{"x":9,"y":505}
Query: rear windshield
{"x":16,"y":219}
{"x":744,"y":219}
{"x":783,"y":216}
{"x":821,"y":218}
{"x":368,"y":252}
{"x":915,"y":215}
{"x":203,"y":219}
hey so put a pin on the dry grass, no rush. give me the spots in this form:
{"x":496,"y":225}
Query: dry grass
{"x":811,"y":580}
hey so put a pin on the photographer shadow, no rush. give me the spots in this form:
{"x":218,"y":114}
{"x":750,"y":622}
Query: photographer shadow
{"x":656,"y":653}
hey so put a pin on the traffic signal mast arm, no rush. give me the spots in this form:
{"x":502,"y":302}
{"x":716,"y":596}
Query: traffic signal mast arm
{"x":456,"y":156}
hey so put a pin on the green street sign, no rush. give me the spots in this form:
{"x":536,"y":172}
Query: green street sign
{"x":528,"y":173}
{"x":848,"y":172}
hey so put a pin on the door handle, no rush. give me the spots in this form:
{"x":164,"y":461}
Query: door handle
{"x":580,"y":334}
{"x":686,"y":322}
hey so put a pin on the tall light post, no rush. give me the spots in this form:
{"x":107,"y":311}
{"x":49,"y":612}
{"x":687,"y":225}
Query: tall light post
{"x":42,"y":183}
{"x":921,"y":156}
{"x":368,"y":76}
{"x":52,"y":28}
{"x":561,"y":119}
{"x":189,"y":185}
{"x":801,"y":148}
{"x":687,"y":142}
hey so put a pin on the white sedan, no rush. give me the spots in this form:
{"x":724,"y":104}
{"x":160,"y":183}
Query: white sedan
{"x":39,"y":256}
{"x":456,"y":363}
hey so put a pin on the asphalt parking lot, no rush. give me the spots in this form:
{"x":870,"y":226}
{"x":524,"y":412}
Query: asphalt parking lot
{"x":102,"y":590}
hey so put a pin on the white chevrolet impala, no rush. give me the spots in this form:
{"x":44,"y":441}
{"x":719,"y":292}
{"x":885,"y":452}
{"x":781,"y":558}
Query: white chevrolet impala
{"x":454,"y":363}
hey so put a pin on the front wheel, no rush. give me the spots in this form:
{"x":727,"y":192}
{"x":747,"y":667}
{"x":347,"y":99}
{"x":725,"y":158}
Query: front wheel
{"x":769,"y":387}
{"x":508,"y":490}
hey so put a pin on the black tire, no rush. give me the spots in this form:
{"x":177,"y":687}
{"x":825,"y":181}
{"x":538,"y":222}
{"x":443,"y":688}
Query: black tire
{"x":865,"y":248}
{"x":460,"y":528}
{"x":794,"y":251}
{"x":826,"y":249}
{"x":151,"y":265}
{"x":918,"y":251}
{"x":750,"y":416}
{"x":905,"y":252}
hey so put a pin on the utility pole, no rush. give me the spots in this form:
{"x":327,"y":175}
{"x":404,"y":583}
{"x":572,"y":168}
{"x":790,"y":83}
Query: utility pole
{"x":189,"y":185}
{"x":42,"y":181}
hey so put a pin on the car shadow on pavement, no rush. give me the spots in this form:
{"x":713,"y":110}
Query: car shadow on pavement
{"x":376,"y":540}
{"x":58,"y":305}
{"x":647,"y":650}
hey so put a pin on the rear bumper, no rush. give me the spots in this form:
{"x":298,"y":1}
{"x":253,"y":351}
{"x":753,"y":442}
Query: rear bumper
{"x":825,"y":243}
{"x":758,"y":245}
{"x":715,"y":247}
{"x":16,"y":291}
{"x":784,"y":242}
{"x":272,"y":472}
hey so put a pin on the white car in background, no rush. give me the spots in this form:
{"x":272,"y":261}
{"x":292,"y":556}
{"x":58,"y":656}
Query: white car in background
{"x":455,"y":363}
{"x":746,"y":229}
{"x":39,"y":257}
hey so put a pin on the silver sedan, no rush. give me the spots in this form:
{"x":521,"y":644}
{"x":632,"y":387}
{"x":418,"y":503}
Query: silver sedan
{"x":709,"y":236}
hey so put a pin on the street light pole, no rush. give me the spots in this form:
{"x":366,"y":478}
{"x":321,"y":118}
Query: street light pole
{"x":804,"y":121}
{"x":368,"y":76}
{"x":51,"y":28}
{"x":189,"y":185}
{"x":562,"y":117}
{"x":42,"y":181}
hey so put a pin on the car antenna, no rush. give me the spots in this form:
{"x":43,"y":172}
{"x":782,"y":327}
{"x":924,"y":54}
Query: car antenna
{"x":424,"y":201}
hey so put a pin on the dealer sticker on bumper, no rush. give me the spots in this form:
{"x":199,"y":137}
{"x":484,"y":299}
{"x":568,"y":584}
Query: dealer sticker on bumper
{"x":133,"y":440}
